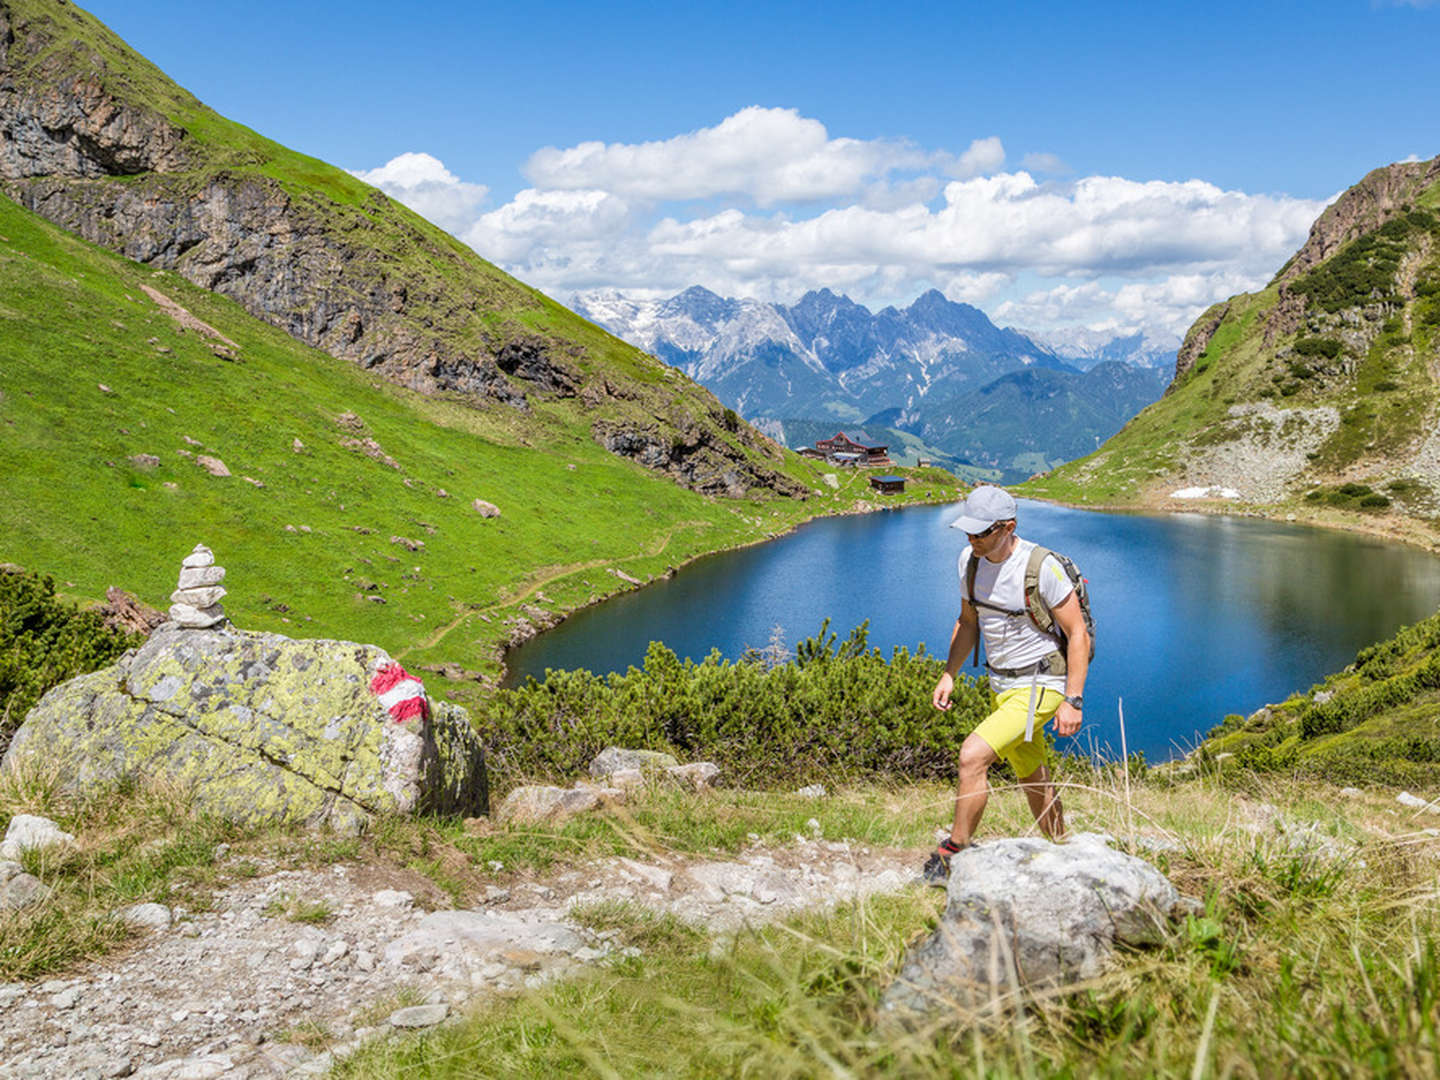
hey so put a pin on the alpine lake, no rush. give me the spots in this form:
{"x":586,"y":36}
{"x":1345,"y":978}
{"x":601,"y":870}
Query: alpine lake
{"x":1197,"y":615}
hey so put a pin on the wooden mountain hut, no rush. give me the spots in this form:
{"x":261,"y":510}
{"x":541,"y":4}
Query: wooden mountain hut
{"x":844,"y":443}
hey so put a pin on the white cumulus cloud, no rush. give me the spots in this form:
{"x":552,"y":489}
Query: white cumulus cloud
{"x":768,"y":204}
{"x":769,"y":155}
{"x":983,"y":156}
{"x":1163,"y":308}
{"x":422,"y":183}
{"x":547,"y":223}
{"x":1009,"y":223}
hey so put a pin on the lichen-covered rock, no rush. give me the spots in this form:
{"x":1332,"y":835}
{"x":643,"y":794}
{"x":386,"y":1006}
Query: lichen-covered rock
{"x":260,"y":727}
{"x":614,"y":758}
{"x":1035,"y":914}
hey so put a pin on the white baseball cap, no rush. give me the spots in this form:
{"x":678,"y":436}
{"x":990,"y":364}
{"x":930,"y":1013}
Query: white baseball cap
{"x":983,"y":507}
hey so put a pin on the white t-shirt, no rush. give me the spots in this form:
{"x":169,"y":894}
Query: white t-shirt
{"x":1013,"y":641}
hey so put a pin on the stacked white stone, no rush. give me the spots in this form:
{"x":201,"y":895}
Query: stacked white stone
{"x":196,"y":602}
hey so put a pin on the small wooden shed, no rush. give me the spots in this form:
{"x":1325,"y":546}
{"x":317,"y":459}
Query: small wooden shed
{"x":888,"y":485}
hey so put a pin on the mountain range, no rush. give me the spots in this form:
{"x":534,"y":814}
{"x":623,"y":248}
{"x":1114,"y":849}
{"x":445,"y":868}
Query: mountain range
{"x":941,"y":372}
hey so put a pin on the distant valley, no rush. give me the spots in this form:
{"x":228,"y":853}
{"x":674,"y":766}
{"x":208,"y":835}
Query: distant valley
{"x":936,"y":379}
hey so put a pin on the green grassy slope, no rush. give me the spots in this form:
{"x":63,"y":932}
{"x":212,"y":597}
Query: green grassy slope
{"x":1329,"y":376}
{"x":93,"y":374}
{"x":1376,"y":722}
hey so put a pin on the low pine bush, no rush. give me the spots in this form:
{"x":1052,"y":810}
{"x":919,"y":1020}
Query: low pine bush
{"x":831,"y":712}
{"x":43,"y":642}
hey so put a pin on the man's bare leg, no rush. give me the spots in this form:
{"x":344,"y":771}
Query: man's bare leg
{"x":976,"y":757}
{"x":1044,"y":802}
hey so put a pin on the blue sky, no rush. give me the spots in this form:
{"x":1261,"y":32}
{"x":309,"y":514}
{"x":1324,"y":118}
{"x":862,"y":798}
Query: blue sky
{"x":1117,"y":166}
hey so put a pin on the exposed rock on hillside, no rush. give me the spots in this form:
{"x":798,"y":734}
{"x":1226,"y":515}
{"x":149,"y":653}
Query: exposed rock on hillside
{"x":698,"y":457}
{"x":299,"y":244}
{"x":259,"y":727}
{"x":1196,"y":341}
{"x":1381,"y":196}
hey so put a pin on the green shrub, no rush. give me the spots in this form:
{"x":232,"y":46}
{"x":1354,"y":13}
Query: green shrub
{"x":1363,"y":271}
{"x":832,"y":712}
{"x":1374,"y":501}
{"x":1352,"y":708}
{"x":43,"y":642}
{"x":1329,"y":348}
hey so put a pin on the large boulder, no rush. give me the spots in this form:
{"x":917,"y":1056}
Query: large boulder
{"x":260,"y":728}
{"x":1033,"y":914}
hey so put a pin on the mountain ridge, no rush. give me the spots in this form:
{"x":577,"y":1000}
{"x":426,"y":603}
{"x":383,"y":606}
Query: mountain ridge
{"x":827,"y":359}
{"x":1316,"y":397}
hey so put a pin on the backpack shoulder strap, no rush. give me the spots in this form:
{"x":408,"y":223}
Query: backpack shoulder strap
{"x":1035,"y":605}
{"x":970,"y":569}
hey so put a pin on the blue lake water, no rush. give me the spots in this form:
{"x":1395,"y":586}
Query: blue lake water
{"x":1196,"y":616}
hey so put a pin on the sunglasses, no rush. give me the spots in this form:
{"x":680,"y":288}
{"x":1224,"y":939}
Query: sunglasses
{"x":987,"y":532}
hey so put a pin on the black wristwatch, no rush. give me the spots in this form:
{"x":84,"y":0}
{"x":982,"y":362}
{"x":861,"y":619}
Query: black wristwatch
{"x":1077,"y":701}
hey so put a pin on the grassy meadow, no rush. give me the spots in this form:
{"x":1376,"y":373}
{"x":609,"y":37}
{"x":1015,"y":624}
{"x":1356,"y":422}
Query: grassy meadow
{"x":348,"y":511}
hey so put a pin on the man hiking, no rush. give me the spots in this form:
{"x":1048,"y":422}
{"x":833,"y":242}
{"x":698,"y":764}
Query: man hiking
{"x":1034,"y":674}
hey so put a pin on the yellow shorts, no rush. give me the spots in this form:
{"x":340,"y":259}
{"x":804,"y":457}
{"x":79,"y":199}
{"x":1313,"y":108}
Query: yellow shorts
{"x":1004,"y":729}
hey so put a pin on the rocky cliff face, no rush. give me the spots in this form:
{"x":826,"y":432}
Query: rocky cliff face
{"x":89,"y":139}
{"x":1383,"y":194}
{"x":1197,"y":339}
{"x":61,"y":122}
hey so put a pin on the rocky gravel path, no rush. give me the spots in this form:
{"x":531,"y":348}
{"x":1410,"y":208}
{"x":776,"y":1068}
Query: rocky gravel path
{"x":291,"y":969}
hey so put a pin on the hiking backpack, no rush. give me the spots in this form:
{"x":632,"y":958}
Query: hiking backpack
{"x":1035,"y":606}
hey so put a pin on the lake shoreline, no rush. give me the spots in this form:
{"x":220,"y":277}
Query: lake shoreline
{"x":1405,"y":531}
{"x":1401,"y":530}
{"x":860,"y":508}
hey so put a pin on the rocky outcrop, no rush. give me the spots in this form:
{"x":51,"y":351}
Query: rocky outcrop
{"x":1383,"y":194}
{"x":1197,"y":341}
{"x":1031,"y":914}
{"x":67,"y":124}
{"x":258,"y":728}
{"x":696,"y":456}
{"x":122,"y":611}
{"x":286,"y":261}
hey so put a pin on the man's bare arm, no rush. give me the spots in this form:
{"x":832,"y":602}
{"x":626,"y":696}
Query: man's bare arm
{"x":962,"y":640}
{"x":1077,"y":661}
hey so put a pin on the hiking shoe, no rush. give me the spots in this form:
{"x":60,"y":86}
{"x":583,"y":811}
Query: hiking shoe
{"x":936,"y":870}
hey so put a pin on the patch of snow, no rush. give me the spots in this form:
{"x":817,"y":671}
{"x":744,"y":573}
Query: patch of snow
{"x":1213,"y":492}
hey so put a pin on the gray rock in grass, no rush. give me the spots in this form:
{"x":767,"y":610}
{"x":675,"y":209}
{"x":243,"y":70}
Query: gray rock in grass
{"x":614,"y":758}
{"x":1032,"y":914}
{"x":19,"y":889}
{"x":31,"y":831}
{"x":419,"y":1016}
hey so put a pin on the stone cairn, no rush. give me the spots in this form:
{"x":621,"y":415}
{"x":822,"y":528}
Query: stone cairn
{"x":195,"y":604}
